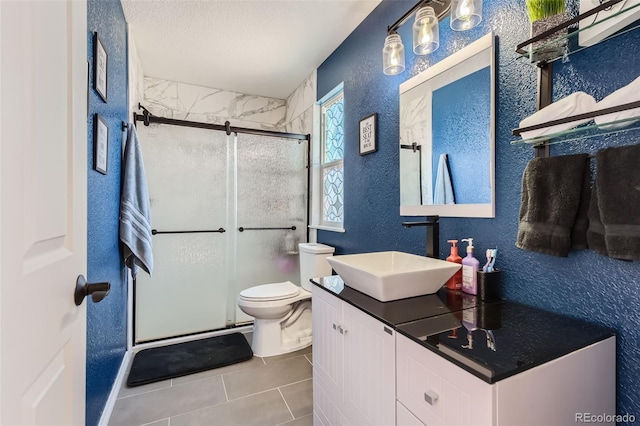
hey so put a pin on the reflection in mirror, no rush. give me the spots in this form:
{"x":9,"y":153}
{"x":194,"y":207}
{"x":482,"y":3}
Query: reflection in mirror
{"x":447,"y":134}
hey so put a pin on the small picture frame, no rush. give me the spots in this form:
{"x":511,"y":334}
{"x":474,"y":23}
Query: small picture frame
{"x":100,"y":144}
{"x":369,"y":134}
{"x":99,"y":67}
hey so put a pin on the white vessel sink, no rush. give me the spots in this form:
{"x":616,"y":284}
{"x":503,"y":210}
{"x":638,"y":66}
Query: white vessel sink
{"x":392,"y":275}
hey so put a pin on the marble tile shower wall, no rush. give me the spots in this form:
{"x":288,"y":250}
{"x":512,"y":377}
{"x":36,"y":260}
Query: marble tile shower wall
{"x":299,"y":115}
{"x":136,"y":76}
{"x":196,"y":103}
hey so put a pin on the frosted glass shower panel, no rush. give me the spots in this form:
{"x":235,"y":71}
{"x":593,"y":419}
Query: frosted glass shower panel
{"x":188,"y":290}
{"x":271,"y":193}
{"x":187,"y":175}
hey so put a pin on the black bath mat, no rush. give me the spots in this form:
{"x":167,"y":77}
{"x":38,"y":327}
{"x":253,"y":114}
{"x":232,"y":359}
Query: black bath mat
{"x":166,"y":362}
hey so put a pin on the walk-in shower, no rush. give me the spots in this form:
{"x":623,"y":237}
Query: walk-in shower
{"x":227,"y":209}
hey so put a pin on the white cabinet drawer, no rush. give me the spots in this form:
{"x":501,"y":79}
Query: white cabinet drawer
{"x":439,"y":392}
{"x":405,"y":418}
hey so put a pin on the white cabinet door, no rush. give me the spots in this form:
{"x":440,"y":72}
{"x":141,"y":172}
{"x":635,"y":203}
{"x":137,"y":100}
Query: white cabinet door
{"x":43,"y":176}
{"x":327,"y":357}
{"x":353,"y":365}
{"x":369,"y":369}
{"x":327,"y":341}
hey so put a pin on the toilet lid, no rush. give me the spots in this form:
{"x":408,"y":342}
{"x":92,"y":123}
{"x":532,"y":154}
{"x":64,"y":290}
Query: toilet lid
{"x":267,"y":292}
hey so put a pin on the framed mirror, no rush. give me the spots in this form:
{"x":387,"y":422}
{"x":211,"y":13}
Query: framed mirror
{"x":447,"y":136}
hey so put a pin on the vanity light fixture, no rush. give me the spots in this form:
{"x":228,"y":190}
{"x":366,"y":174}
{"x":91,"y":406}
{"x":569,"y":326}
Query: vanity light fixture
{"x":393,"y":55}
{"x":425,"y":31}
{"x":467,"y":14}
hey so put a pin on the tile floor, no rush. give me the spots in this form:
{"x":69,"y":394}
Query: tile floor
{"x":262,"y":391}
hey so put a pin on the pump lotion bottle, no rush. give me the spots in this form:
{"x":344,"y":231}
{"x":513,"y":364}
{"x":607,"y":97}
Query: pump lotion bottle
{"x":470,"y":267}
{"x":455,"y":282}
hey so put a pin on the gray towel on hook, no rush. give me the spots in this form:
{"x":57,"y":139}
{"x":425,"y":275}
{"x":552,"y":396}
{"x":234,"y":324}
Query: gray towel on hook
{"x":551,"y":194}
{"x":581,"y":224}
{"x":595,"y":233}
{"x":618,"y":189}
{"x":135,"y":212}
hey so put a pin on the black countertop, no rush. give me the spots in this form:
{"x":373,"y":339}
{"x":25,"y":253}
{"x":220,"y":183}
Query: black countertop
{"x":398,"y":311}
{"x":492,"y":341}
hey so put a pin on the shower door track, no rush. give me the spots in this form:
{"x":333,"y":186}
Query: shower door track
{"x":147,"y":118}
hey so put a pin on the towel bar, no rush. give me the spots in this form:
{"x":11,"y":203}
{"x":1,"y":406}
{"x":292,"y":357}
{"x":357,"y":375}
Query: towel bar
{"x":220,"y":230}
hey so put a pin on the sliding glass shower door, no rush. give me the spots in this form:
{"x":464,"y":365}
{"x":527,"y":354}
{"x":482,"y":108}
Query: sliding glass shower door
{"x":271,"y":201}
{"x":202,"y":182}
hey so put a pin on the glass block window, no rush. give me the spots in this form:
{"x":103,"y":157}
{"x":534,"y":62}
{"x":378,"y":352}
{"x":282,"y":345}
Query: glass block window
{"x":331,"y":163}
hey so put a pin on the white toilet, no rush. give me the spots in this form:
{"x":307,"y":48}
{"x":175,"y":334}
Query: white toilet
{"x":282,"y":311}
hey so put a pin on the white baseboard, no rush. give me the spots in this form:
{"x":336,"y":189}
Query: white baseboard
{"x":115,"y":389}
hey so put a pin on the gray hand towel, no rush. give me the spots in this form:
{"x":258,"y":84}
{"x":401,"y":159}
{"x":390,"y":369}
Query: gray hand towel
{"x":618,"y":188}
{"x":551,"y":194}
{"x":581,"y":224}
{"x":135,"y":212}
{"x":595,"y":233}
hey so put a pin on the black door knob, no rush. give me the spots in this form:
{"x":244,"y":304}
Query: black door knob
{"x":98,"y":291}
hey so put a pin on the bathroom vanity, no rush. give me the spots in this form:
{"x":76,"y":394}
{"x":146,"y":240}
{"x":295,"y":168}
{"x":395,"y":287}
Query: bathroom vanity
{"x":450,"y":359}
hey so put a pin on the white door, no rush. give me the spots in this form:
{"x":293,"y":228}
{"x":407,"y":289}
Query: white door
{"x":43,"y":193}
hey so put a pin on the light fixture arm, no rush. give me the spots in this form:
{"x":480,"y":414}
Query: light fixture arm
{"x":440,"y":6}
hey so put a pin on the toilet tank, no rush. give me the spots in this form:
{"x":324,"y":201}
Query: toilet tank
{"x":313,"y":262}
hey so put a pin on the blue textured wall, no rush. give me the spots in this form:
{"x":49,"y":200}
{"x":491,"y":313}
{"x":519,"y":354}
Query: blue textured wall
{"x":107,"y":320}
{"x":584,"y":285}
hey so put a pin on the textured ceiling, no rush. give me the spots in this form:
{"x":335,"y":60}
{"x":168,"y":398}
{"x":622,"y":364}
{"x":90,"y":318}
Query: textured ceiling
{"x":257,"y":47}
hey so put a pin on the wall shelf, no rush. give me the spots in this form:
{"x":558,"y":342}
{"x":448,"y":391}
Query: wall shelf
{"x":565,"y":35}
{"x":577,"y":132}
{"x":564,"y":39}
{"x":582,"y":132}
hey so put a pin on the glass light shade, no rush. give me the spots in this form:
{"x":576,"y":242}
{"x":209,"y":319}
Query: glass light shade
{"x":465,"y":14}
{"x":393,"y":55}
{"x":425,"y":31}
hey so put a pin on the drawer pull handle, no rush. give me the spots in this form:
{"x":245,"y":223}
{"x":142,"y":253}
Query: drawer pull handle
{"x":431,"y":397}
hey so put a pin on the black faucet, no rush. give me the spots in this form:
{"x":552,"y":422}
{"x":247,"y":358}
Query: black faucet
{"x":433,"y":234}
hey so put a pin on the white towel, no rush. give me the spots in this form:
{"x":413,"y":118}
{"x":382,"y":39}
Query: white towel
{"x":135,"y":217}
{"x":574,"y":104}
{"x":443,"y":191}
{"x":624,"y":95}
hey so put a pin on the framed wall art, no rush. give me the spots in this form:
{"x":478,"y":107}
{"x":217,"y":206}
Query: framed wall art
{"x":100,"y":144}
{"x":100,"y":60}
{"x":368,"y":134}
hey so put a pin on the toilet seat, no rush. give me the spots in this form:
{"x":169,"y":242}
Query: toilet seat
{"x":270,"y":292}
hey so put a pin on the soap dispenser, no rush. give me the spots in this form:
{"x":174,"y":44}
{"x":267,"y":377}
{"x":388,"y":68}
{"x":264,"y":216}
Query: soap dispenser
{"x":455,"y":282}
{"x":470,"y":267}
